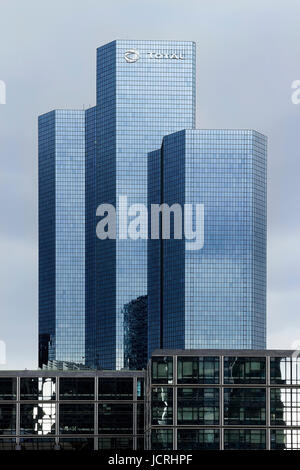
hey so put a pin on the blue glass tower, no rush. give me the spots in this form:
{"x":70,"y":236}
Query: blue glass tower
{"x":145,"y":90}
{"x":214,"y":297}
{"x":62,"y":236}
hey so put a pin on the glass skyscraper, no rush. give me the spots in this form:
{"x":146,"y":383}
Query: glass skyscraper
{"x":214,"y":297}
{"x":62,"y":236}
{"x":145,"y":90}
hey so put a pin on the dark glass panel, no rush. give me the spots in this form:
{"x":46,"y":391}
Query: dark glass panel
{"x":198,"y":439}
{"x":7,"y":419}
{"x":161,"y":439}
{"x":8,"y":388}
{"x":115,"y":443}
{"x":79,"y":388}
{"x":37,"y":444}
{"x":115,"y":418}
{"x":81,"y":443}
{"x":244,"y":370}
{"x":245,"y":406}
{"x":198,"y":370}
{"x":7,"y":444}
{"x":140,"y":418}
{"x":76,"y":418}
{"x":244,"y":439}
{"x":198,"y":406}
{"x":111,"y":388}
{"x":285,"y":370}
{"x":162,"y":370}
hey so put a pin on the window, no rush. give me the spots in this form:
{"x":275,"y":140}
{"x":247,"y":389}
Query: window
{"x":115,"y":443}
{"x":8,"y":388}
{"x":37,"y":388}
{"x":285,"y":370}
{"x":245,"y":406}
{"x":285,"y":406}
{"x":76,"y":443}
{"x":37,"y":444}
{"x":7,"y":419}
{"x":115,"y":418}
{"x":244,"y":370}
{"x":111,"y":388}
{"x":285,"y":439}
{"x":76,"y":388}
{"x":161,"y":439}
{"x":76,"y":418}
{"x":198,"y":439}
{"x":37,"y":418}
{"x":245,"y":439}
{"x":198,"y":370}
{"x":198,"y":406}
{"x":162,"y":406}
{"x":162,"y":370}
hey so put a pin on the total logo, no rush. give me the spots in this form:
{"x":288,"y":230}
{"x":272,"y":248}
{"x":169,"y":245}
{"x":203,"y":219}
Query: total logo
{"x":133,"y":55}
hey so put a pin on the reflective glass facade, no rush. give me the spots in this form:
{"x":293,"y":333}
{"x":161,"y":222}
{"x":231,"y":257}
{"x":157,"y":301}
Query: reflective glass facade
{"x":62,"y":236}
{"x":183,"y":401}
{"x":141,"y":97}
{"x":80,"y":410}
{"x":191,"y":406}
{"x":214,"y":297}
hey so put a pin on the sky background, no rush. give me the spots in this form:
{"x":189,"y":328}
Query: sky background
{"x":248,"y":55}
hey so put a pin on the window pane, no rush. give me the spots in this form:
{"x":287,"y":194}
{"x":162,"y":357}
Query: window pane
{"x":37,"y":418}
{"x":76,"y":418}
{"x":285,"y":406}
{"x":198,"y":439}
{"x":7,"y":419}
{"x":162,"y":370}
{"x":116,"y":443}
{"x":7,"y":444}
{"x":285,"y":439}
{"x":245,"y":406}
{"x":37,"y":444}
{"x":198,"y":370}
{"x":246,"y":439}
{"x":140,"y":389}
{"x":8,"y":388}
{"x":115,"y":418}
{"x":162,"y":406}
{"x":76,"y":389}
{"x":198,"y":406}
{"x":76,"y":443}
{"x":161,"y":439}
{"x":38,"y":388}
{"x":285,"y":370}
{"x":115,"y":389}
{"x":244,"y":370}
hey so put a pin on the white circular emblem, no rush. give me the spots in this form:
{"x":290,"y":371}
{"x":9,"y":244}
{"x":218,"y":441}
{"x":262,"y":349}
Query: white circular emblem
{"x":132,"y":55}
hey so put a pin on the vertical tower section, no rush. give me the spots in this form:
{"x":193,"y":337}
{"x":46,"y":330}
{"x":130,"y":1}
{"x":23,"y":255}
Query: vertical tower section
{"x":215,"y":296}
{"x":62,"y":236}
{"x":145,"y":90}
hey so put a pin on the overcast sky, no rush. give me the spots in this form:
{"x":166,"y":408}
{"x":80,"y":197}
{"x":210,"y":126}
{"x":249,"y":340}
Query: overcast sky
{"x":248,"y":55}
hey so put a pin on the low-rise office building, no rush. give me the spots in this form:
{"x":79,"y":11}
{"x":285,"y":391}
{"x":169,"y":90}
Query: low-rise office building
{"x":71,"y":410}
{"x":186,"y":400}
